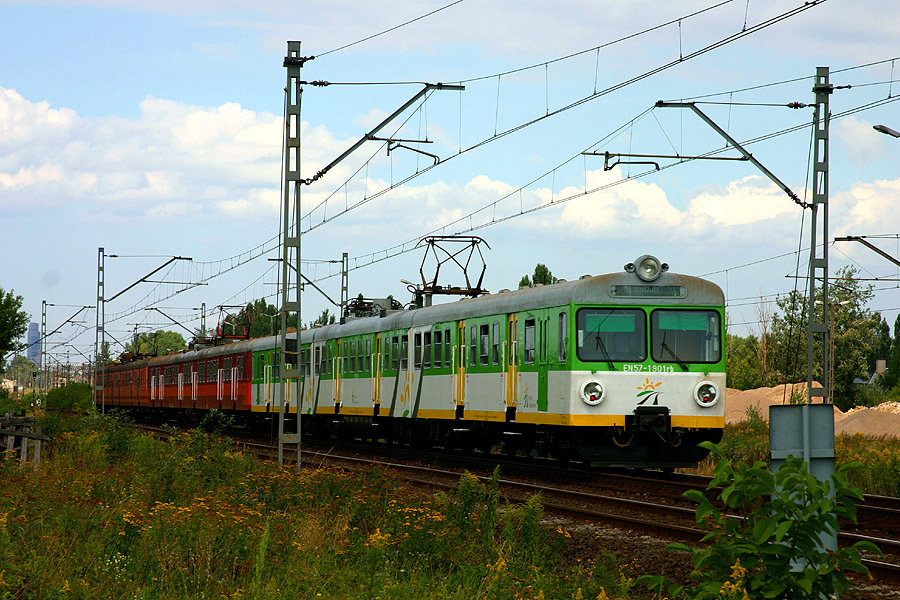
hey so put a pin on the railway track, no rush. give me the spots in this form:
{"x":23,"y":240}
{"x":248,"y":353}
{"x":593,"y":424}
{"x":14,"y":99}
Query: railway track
{"x":591,"y":502}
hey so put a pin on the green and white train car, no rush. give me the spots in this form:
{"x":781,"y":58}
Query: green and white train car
{"x":622,"y":369}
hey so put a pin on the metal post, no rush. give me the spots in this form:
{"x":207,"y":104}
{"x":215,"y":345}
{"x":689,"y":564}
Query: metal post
{"x":345,"y":285}
{"x":807,"y":429}
{"x":100,"y":334}
{"x":818,"y":246}
{"x":290,"y":252}
{"x":42,"y":375}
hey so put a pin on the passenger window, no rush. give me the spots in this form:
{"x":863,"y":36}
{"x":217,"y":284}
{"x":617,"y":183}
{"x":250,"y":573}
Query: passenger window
{"x":404,"y":351}
{"x":473,"y":346}
{"x":366,"y":367}
{"x":529,"y":341}
{"x":561,"y":337}
{"x":417,"y":350}
{"x":426,"y":350}
{"x":438,"y":348}
{"x":484,"y":346}
{"x":448,"y":348}
{"x":496,"y":339}
{"x":395,"y":363}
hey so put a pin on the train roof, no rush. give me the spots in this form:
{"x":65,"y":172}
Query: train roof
{"x":586,"y":290}
{"x":599,"y":289}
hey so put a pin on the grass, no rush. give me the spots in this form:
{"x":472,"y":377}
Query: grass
{"x":113,"y":514}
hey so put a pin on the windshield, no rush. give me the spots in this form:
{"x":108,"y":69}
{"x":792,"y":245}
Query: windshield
{"x":607,"y":334}
{"x":685,"y":336}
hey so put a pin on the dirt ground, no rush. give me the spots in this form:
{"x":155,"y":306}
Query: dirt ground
{"x":883,"y":419}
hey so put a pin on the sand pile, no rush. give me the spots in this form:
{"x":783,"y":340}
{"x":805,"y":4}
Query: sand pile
{"x":737,"y":402}
{"x":883,"y":419}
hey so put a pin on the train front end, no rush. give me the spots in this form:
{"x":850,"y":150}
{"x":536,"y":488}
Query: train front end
{"x":647,"y":383}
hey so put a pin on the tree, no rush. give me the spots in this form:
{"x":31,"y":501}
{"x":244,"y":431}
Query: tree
{"x":324,"y":319}
{"x":13,"y":324}
{"x":856,"y":337}
{"x":21,"y":370}
{"x":157,"y":343}
{"x":742,"y":362}
{"x":542,"y":275}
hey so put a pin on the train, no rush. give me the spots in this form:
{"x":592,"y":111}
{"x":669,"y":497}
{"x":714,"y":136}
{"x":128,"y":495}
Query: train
{"x":625,"y":369}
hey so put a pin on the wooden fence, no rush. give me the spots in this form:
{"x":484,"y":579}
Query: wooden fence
{"x":21,"y":436}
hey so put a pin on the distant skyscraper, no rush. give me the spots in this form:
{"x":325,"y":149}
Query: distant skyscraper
{"x":33,"y":353}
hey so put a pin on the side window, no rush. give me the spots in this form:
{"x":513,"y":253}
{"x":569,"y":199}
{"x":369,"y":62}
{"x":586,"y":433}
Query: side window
{"x":561,"y":336}
{"x":495,"y":357}
{"x":361,"y":355}
{"x":318,"y":363}
{"x":529,"y":341}
{"x":240,"y":367}
{"x":426,"y":349}
{"x":328,"y":364}
{"x":404,"y":351}
{"x":352,"y":356}
{"x":368,"y":361}
{"x":202,"y":376}
{"x":448,"y":348}
{"x":417,"y":350}
{"x":438,"y":348}
{"x":473,"y":346}
{"x":484,"y":344}
{"x":395,"y":344}
{"x":228,"y":363}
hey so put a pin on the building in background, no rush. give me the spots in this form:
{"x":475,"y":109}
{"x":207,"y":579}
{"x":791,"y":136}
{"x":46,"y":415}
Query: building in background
{"x":33,"y":353}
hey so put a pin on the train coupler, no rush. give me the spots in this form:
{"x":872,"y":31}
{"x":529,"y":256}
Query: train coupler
{"x":651,"y":418}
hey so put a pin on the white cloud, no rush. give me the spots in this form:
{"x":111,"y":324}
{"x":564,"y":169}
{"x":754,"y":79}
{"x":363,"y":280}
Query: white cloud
{"x":173,"y":161}
{"x":862,"y":143}
{"x":751,"y":199}
{"x":871,"y":207}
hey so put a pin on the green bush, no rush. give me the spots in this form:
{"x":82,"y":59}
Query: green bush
{"x":777,"y":550}
{"x":74,"y":396}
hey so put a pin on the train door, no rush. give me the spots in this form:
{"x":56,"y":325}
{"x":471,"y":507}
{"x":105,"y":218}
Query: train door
{"x":542,"y":361}
{"x":220,"y":386}
{"x":512,"y":371}
{"x":333,"y":368}
{"x":342,"y":352}
{"x":267,"y":379}
{"x":195,"y":378}
{"x":376,"y":373}
{"x":459,"y":368}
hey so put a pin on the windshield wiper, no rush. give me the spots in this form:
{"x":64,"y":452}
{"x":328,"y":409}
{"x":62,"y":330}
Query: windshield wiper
{"x":602,"y":347}
{"x":666,"y":347}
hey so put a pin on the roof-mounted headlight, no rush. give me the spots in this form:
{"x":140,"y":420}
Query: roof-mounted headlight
{"x":647,"y":267}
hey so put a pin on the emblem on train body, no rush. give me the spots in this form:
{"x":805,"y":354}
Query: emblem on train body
{"x":648,"y":391}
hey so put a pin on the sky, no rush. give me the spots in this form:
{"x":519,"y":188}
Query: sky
{"x":154,"y":130}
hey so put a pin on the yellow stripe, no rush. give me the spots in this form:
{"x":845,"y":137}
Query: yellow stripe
{"x":482,"y":415}
{"x":358,"y":410}
{"x":571,"y":420}
{"x":437,"y":414}
{"x":699,"y":422}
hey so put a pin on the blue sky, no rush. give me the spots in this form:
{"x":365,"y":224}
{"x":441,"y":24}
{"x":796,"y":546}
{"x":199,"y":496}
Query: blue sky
{"x":154,"y":130}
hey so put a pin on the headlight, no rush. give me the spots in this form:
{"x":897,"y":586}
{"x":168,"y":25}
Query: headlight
{"x":648,"y":268}
{"x":706,"y":394}
{"x":592,"y":392}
